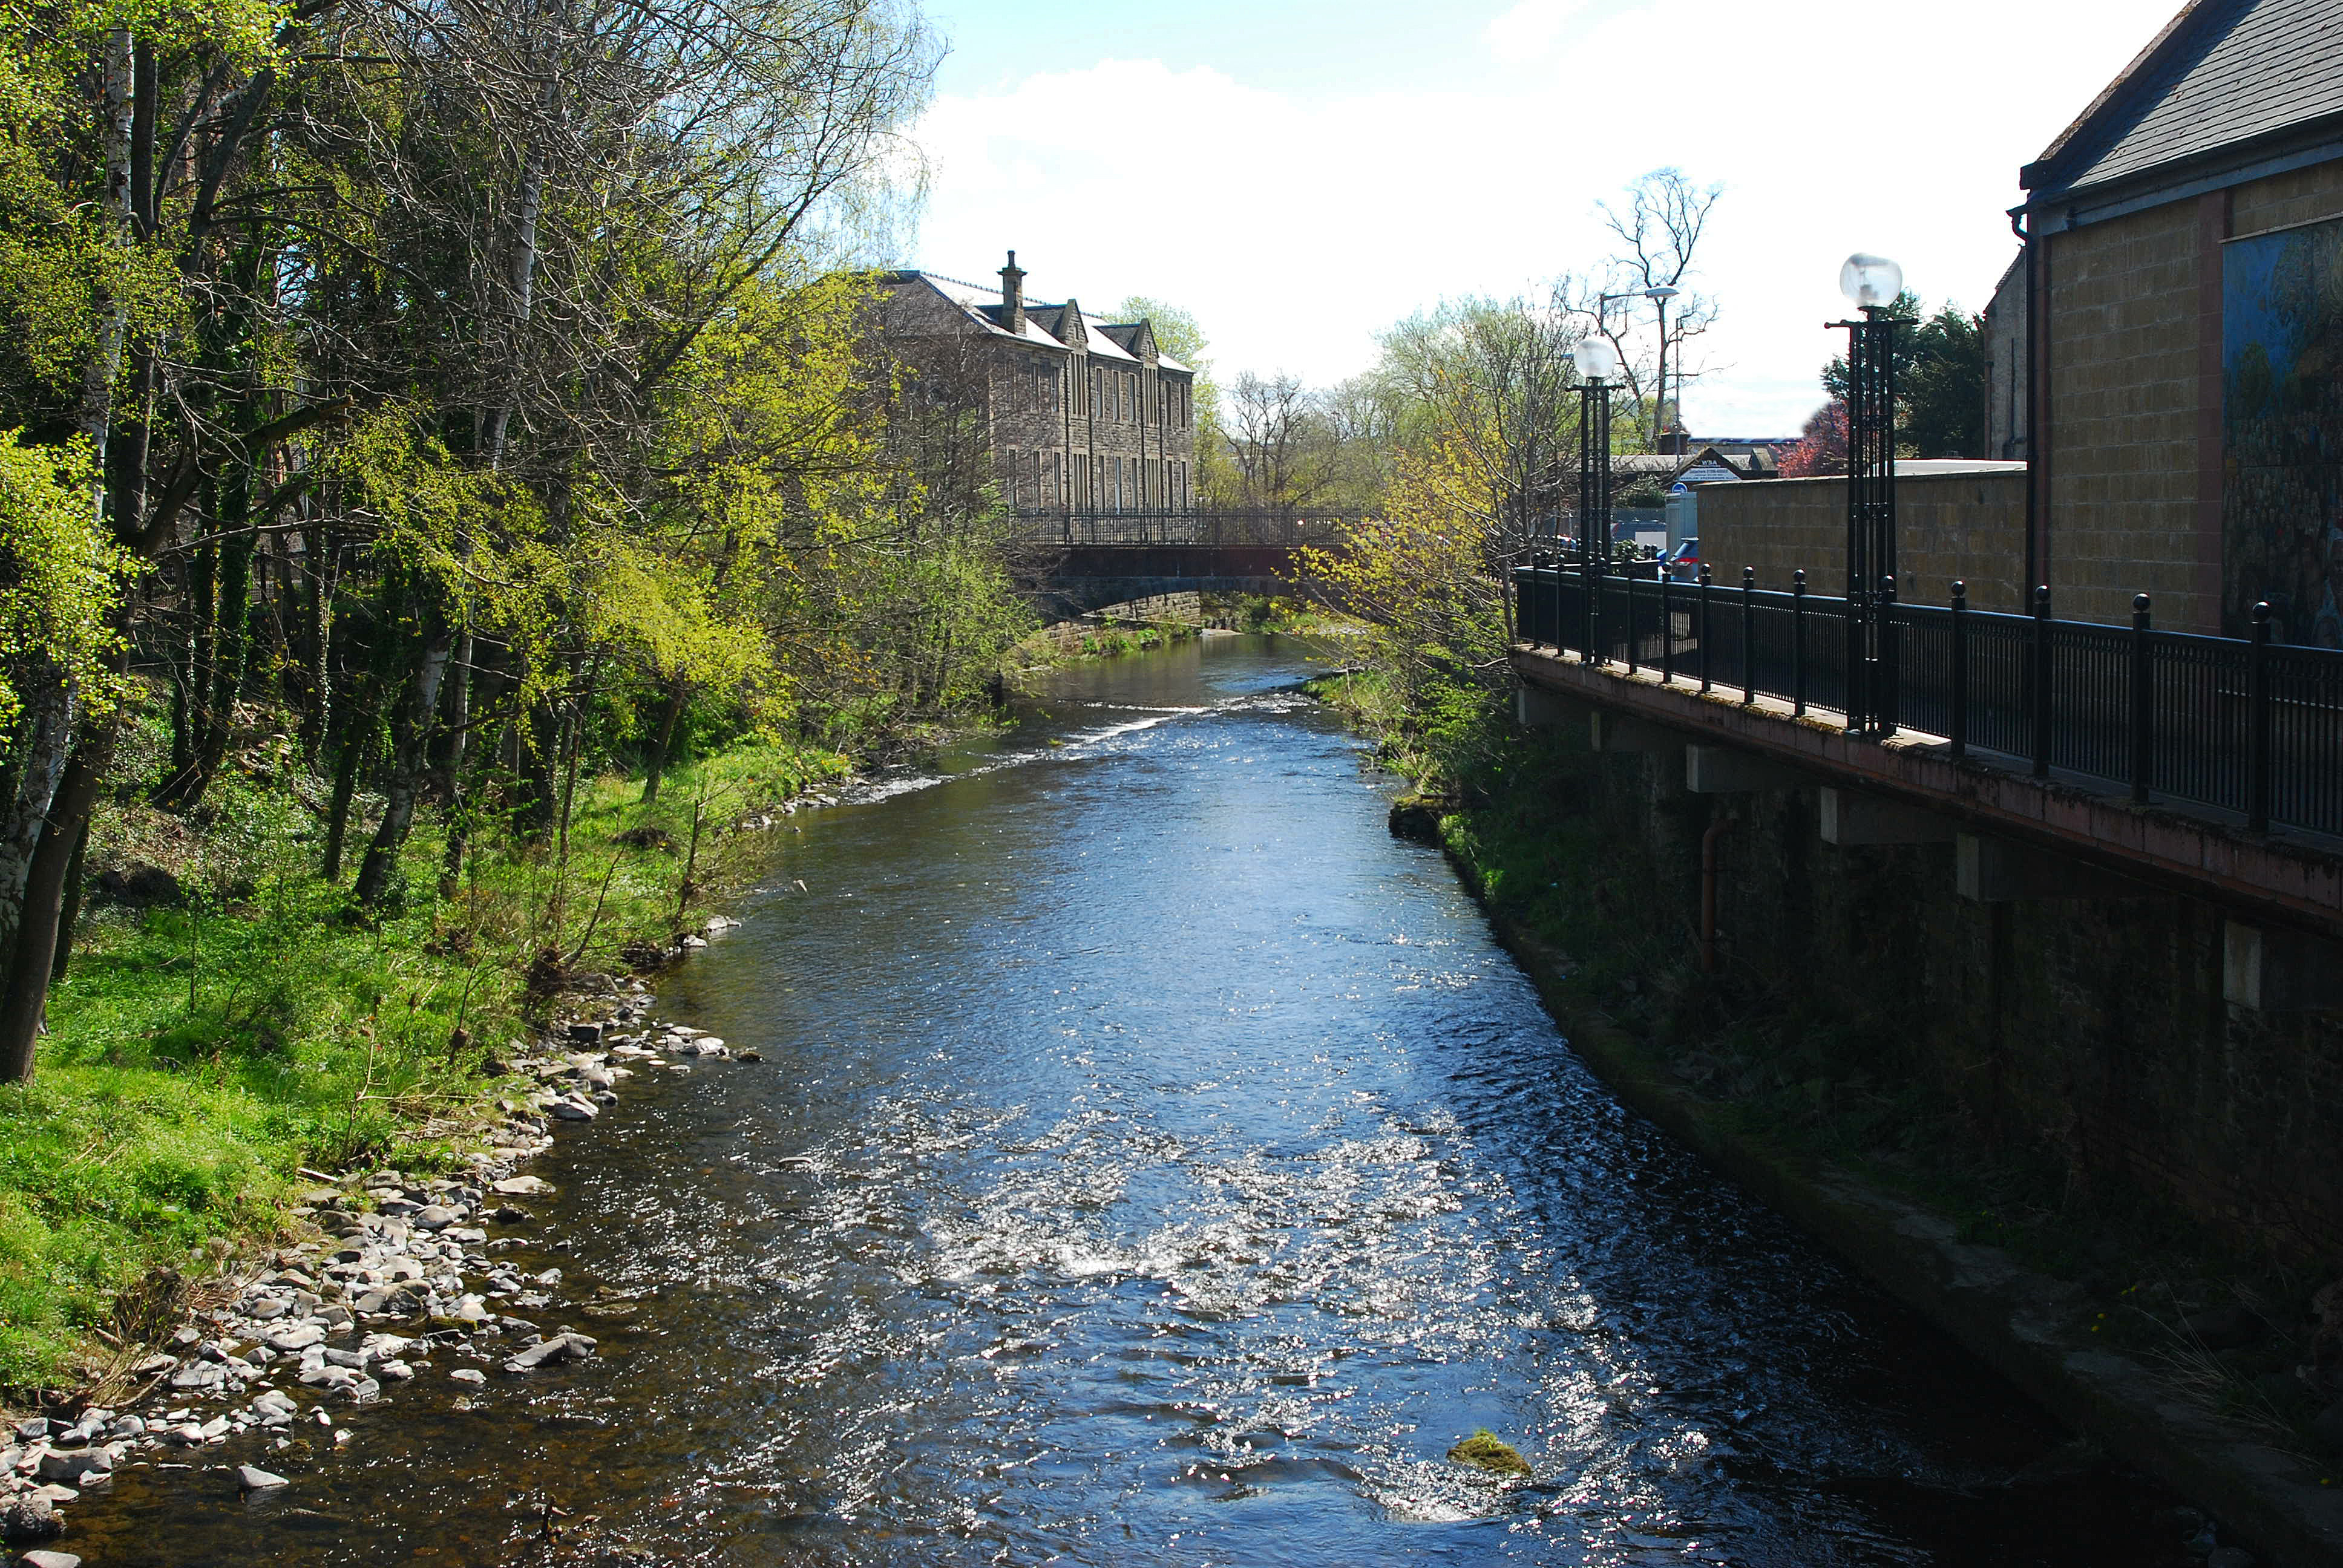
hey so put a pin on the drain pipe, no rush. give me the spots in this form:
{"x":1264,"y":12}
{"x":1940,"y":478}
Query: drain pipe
{"x":1716,"y":827}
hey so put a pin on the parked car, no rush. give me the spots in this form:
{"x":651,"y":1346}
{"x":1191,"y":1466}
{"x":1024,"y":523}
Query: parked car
{"x":1682,"y":563}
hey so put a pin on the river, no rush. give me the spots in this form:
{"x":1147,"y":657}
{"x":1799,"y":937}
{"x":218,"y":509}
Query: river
{"x":1153,"y":1162}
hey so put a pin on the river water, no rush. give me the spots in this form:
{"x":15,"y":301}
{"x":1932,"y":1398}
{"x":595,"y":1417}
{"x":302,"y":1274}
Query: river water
{"x":1153,"y":1162}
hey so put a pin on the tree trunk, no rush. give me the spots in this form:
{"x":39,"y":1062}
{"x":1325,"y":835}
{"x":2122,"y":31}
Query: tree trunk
{"x":48,"y":730}
{"x":36,"y":932}
{"x":69,"y":916}
{"x":349,"y":760}
{"x":655,"y":765}
{"x":410,"y":764}
{"x":459,"y":715}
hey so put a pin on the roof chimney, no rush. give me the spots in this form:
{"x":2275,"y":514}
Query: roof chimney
{"x":1012,"y":296}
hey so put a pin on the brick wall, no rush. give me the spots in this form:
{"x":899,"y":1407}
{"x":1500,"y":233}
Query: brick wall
{"x":1971,"y":526}
{"x":2123,"y":430}
{"x":2134,"y":384}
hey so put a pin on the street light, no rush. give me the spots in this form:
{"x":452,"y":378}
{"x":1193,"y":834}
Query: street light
{"x":1872,"y":283}
{"x":1598,"y":366}
{"x":1659,"y":295}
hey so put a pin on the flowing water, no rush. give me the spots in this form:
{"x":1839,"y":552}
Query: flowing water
{"x":1153,"y":1162}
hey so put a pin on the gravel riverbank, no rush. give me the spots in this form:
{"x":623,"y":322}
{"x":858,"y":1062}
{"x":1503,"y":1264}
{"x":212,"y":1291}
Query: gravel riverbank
{"x":399,"y":1278}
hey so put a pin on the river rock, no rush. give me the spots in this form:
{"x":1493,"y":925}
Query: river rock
{"x":30,"y":1518}
{"x":573,"y":1109}
{"x":467,"y":1374}
{"x":74,"y":1464}
{"x":436,"y":1217}
{"x":523,"y":1186}
{"x":40,"y":1558}
{"x":586,"y":1033}
{"x":252,"y":1478}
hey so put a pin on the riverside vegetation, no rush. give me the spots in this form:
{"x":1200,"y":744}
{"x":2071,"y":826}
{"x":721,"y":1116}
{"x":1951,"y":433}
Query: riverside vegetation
{"x":451,"y":482}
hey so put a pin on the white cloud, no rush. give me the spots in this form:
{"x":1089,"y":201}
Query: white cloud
{"x":1296,"y":228}
{"x":1532,"y":28}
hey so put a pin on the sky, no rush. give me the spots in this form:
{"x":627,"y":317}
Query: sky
{"x":1301,"y":175}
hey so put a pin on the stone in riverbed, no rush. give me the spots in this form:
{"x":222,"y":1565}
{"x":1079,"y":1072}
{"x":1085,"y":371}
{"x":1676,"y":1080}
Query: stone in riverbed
{"x":436,"y":1217}
{"x":573,"y":1109}
{"x":523,"y":1186}
{"x":30,"y":1518}
{"x":252,"y":1478}
{"x":73,"y":1465}
{"x":298,"y":1337}
{"x":586,"y":1033}
{"x":467,"y":1374}
{"x":39,"y":1558}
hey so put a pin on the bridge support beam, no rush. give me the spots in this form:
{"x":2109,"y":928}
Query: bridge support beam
{"x":1850,"y":818}
{"x":1996,"y":871}
{"x":1723,"y":770}
{"x":2267,"y":969}
{"x":1612,"y":732}
{"x":1537,"y":708}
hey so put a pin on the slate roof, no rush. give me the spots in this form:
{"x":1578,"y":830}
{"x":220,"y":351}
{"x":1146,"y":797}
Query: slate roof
{"x":983,"y":308}
{"x":2222,"y":73}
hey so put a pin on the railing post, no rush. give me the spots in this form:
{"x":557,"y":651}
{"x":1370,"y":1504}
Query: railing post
{"x":1668,"y":631}
{"x":1557,"y":597}
{"x":1591,"y":579}
{"x":1960,"y":672}
{"x":1798,"y":642}
{"x":1707,"y":643}
{"x":1748,"y":634}
{"x":1629,"y":582}
{"x":2041,"y":693}
{"x":1884,"y":691}
{"x":2142,"y":700}
{"x":2257,"y":725}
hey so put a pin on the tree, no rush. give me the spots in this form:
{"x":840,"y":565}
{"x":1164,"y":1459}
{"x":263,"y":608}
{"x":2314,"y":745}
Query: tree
{"x":1940,"y":364}
{"x":1659,"y":231}
{"x":1279,"y":444}
{"x":1822,"y":445}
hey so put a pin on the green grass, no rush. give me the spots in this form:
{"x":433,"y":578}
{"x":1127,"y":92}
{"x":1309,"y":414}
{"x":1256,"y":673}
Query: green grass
{"x":201,"y":1053}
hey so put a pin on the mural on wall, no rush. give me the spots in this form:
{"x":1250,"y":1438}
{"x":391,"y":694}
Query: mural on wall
{"x":2282,"y":436}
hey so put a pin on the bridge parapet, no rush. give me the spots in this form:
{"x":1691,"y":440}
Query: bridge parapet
{"x":1280,"y":528}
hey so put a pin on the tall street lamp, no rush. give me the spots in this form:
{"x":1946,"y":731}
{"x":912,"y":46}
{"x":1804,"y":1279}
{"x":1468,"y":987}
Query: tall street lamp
{"x":1598,"y":366}
{"x":1659,"y":295}
{"x":1872,"y":283}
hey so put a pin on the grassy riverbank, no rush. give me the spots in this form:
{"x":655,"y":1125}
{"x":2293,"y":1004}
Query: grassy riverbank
{"x":230,"y":1018}
{"x":1794,"y":1088}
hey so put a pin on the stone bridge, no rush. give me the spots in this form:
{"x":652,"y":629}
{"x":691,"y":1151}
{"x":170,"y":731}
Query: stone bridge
{"x":1076,"y":579}
{"x":1068,"y":567}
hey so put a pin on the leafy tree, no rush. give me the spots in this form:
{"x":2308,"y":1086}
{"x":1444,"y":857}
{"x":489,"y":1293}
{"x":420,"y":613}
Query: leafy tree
{"x":1822,"y":447}
{"x":1940,"y":368}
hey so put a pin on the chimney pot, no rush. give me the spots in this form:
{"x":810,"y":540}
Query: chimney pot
{"x":1012,"y":296}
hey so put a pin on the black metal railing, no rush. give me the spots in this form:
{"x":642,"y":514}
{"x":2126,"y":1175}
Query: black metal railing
{"x":1191,"y":527}
{"x":2248,"y":725}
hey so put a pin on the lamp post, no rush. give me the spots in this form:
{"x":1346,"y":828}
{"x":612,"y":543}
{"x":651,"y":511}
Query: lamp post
{"x":1659,"y":295}
{"x":1598,"y":366}
{"x":1870,"y":283}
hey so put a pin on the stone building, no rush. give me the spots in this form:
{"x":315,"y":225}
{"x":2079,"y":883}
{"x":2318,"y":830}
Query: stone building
{"x":2182,"y":294}
{"x":2166,"y":356}
{"x":1082,"y":417}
